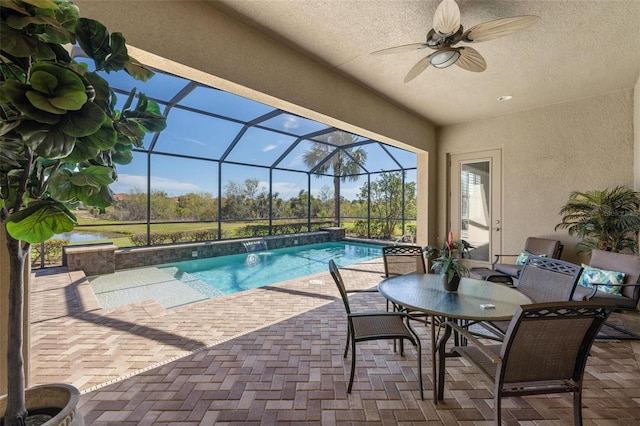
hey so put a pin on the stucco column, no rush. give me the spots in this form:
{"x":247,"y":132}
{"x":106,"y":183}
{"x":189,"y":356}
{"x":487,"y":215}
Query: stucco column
{"x":423,"y":202}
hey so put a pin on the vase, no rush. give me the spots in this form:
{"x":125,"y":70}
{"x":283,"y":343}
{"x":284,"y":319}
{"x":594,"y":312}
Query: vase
{"x":452,"y":285}
{"x":57,"y":399}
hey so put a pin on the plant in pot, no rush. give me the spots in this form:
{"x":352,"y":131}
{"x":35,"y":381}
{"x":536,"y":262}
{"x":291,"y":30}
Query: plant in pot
{"x":60,"y":139}
{"x":446,"y":261}
{"x":604,"y":219}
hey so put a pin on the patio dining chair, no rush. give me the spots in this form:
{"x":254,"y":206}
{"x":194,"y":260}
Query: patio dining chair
{"x":543,"y":279}
{"x":375,"y":325}
{"x":401,"y":260}
{"x":544,"y":351}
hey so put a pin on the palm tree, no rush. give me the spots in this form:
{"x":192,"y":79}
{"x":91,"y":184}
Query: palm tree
{"x":606,"y":220}
{"x":344,"y":165}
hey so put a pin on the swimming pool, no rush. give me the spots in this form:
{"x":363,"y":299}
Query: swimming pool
{"x":181,"y":283}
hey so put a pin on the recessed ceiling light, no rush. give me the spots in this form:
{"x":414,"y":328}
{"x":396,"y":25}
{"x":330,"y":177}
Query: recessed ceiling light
{"x":505,"y":98}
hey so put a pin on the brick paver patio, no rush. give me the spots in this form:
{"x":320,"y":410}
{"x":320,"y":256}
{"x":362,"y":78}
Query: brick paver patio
{"x":274,"y":356}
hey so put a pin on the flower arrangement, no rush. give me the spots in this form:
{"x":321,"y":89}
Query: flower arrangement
{"x":446,"y":261}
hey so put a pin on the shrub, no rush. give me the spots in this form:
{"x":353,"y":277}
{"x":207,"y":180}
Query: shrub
{"x":52,"y":252}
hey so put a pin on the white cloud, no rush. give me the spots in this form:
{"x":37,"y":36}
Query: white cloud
{"x":269,"y":148}
{"x":126,"y":183}
{"x":176,"y":138}
{"x":291,"y":122}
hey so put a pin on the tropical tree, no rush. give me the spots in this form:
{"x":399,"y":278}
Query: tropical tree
{"x":343,"y":161}
{"x":606,"y":220}
{"x":60,"y":139}
{"x":388,"y":203}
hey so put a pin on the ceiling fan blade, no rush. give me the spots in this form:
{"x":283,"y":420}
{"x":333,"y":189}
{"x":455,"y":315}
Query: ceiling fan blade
{"x":446,"y":20}
{"x":471,"y":60}
{"x":418,"y":68}
{"x":398,"y":49}
{"x":499,"y":28}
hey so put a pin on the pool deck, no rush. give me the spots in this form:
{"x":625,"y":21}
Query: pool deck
{"x":273,"y":355}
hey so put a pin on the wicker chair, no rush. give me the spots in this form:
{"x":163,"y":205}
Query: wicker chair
{"x":629,"y":297}
{"x":543,"y":279}
{"x":534,"y":245}
{"x":378,"y":325}
{"x":544,"y":351}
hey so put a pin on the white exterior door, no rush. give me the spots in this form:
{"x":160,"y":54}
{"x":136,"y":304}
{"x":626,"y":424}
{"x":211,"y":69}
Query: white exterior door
{"x":476,"y":203}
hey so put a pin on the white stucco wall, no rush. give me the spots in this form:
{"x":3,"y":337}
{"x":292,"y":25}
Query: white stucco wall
{"x":547,"y":153}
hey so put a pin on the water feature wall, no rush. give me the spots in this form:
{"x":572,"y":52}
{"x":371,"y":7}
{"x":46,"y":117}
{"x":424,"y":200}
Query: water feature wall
{"x":95,"y":259}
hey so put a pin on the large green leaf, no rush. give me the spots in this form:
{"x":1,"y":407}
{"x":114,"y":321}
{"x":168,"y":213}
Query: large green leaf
{"x":16,"y":93}
{"x":47,"y":141}
{"x":82,"y":150}
{"x":14,"y":5}
{"x":22,"y":45}
{"x":103,"y":93}
{"x":94,"y":40}
{"x":19,"y":22}
{"x":119,"y":56}
{"x":42,"y":4}
{"x":105,"y":138}
{"x":67,"y":16}
{"x":96,"y":198}
{"x":85,"y":122}
{"x":95,"y":176}
{"x":123,"y":158}
{"x":40,"y":221}
{"x":138,"y":71}
{"x":62,"y":87}
{"x":60,"y":186}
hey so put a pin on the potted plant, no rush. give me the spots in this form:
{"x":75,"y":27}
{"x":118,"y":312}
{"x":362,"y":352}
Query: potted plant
{"x":60,"y":138}
{"x":446,"y":261}
{"x":603,"y":219}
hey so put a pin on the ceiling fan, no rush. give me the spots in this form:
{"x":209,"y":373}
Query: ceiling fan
{"x":447,"y":32}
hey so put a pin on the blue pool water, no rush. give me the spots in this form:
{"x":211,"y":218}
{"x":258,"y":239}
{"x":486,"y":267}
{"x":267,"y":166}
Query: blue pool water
{"x":231,"y":274}
{"x":182,"y":283}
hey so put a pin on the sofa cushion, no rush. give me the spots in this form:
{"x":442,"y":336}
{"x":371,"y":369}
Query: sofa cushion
{"x":591,"y":275}
{"x":509,"y":269}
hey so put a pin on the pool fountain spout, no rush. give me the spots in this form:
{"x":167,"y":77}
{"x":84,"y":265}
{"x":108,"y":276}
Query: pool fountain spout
{"x":255,"y":245}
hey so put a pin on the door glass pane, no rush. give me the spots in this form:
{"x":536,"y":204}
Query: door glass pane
{"x":475,"y":205}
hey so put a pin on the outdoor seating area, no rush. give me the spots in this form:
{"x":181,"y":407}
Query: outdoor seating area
{"x":282,"y":362}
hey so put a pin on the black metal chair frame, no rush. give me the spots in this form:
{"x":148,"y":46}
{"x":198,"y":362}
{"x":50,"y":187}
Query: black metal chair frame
{"x":539,"y":354}
{"x":378,"y":325}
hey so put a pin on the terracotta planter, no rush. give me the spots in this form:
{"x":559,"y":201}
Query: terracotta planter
{"x":58,"y":396}
{"x":452,"y":285}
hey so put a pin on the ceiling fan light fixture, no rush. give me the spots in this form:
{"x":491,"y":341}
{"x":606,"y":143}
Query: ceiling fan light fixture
{"x":444,"y":58}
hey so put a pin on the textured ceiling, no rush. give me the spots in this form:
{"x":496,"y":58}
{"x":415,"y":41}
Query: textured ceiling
{"x":578,"y":49}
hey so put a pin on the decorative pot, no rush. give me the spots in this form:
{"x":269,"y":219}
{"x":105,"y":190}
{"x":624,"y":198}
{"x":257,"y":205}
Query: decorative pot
{"x":450,"y":285}
{"x":59,"y":399}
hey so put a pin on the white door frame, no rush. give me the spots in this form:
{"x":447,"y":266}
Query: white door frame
{"x":487,"y":240}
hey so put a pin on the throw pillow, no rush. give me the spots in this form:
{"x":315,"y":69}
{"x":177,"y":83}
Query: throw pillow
{"x":591,"y":275}
{"x":522,"y":258}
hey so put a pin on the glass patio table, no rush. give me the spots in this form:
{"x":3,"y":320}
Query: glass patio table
{"x":425,"y":293}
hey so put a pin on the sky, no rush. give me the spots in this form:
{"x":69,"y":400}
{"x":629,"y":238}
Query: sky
{"x":200,"y":135}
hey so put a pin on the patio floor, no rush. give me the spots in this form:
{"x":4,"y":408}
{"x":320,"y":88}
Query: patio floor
{"x":274,"y":356}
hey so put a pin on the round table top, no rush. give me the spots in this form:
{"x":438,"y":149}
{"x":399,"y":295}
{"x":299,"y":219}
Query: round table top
{"x":425,"y":293}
